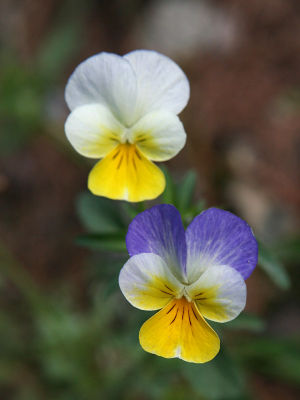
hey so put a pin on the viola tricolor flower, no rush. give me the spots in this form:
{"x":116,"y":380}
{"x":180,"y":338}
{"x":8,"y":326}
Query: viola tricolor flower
{"x":124,"y":112}
{"x":190,"y":275}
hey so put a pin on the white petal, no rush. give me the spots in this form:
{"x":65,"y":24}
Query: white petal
{"x":161,"y":83}
{"x":147,"y":282}
{"x":93,"y":131}
{"x":159,"y":135}
{"x":220,"y":293}
{"x":106,"y":79}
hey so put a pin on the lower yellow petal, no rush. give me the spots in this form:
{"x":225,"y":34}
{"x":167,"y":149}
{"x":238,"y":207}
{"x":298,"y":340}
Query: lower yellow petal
{"x":125,"y":174}
{"x":179,"y":330}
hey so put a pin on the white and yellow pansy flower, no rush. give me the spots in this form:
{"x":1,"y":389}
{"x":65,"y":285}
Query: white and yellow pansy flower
{"x":124,"y":112}
{"x":190,"y":276}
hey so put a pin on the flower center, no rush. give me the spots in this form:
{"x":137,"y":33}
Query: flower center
{"x":183,"y":294}
{"x":125,"y":137}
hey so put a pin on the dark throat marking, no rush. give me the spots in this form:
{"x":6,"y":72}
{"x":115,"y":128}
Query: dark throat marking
{"x":116,"y":155}
{"x":134,"y":164}
{"x":196,"y":316}
{"x":171,"y":308}
{"x":164,"y":291}
{"x":120,"y":161}
{"x":174,"y":317}
{"x":137,"y":153}
{"x":168,"y":287}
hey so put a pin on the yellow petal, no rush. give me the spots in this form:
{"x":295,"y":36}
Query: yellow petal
{"x":179,"y":330}
{"x":125,"y":174}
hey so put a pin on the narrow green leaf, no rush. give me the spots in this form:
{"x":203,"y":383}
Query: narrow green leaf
{"x":273,"y":267}
{"x":129,"y":209}
{"x":185,"y":191}
{"x":58,"y":48}
{"x":98,"y":214}
{"x":248,"y":322}
{"x":103,"y":242}
{"x":219,"y":379}
{"x":275,"y":357}
{"x":288,"y":249}
{"x":168,"y":196}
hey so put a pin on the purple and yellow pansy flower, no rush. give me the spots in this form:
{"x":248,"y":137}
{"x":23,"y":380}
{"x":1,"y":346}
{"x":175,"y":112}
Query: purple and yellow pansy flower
{"x":190,"y":276}
{"x":124,"y":112}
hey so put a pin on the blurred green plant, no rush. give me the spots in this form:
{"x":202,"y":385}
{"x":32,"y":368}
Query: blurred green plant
{"x":26,"y":87}
{"x":52,"y":347}
{"x":270,"y":262}
{"x":106,"y":223}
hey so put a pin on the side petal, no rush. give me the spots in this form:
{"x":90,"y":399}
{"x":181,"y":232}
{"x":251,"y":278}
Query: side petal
{"x":161,"y":83}
{"x":106,"y":79}
{"x":218,"y":237}
{"x":147,"y":283}
{"x":125,"y":174}
{"x":159,"y":230}
{"x":220,"y":293}
{"x":93,"y":131}
{"x":178,"y":330}
{"x":159,"y":135}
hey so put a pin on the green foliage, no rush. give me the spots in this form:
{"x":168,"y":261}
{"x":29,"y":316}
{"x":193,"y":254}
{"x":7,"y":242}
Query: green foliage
{"x":272,"y":266}
{"x":277,"y":358}
{"x":220,"y":379}
{"x":185,"y":191}
{"x":57,"y":346}
{"x":58,"y":48}
{"x":104,"y":242}
{"x":25,"y":88}
{"x":20,"y":104}
{"x":287,"y":249}
{"x":91,"y":351}
{"x":98,"y":214}
{"x":247,"y":322}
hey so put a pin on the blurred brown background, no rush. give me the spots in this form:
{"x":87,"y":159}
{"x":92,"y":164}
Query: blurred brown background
{"x":243,"y":123}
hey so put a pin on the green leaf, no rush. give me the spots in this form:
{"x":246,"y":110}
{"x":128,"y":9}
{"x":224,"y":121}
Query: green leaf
{"x":98,"y":214}
{"x":288,"y":249}
{"x":247,"y":322}
{"x":273,"y":267}
{"x":168,"y":196}
{"x":185,"y":191}
{"x":58,"y":49}
{"x":219,"y":379}
{"x":129,"y":209}
{"x":275,"y":357}
{"x":103,"y":242}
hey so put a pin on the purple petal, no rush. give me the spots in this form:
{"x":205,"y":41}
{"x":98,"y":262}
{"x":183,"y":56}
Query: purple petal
{"x":218,"y":237}
{"x":159,"y":230}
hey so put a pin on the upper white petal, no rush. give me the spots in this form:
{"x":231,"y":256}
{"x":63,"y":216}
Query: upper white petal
{"x":161,"y":83}
{"x":93,"y":131}
{"x":159,"y":135}
{"x":106,"y":79}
